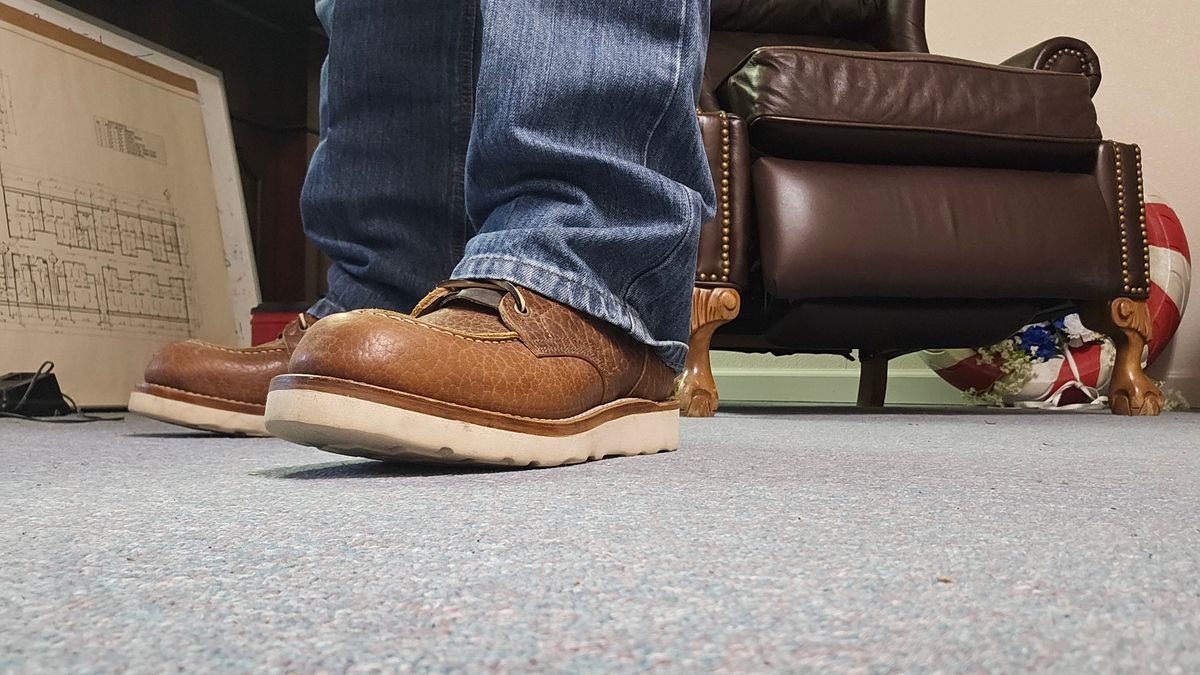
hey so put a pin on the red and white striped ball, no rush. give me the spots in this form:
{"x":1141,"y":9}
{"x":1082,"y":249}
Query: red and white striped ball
{"x":1170,"y":283}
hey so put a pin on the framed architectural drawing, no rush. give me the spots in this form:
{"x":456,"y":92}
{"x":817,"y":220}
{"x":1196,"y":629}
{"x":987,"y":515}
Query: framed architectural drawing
{"x":123,"y":226}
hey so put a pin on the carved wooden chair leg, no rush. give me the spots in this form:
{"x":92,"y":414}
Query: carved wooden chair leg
{"x":1128,"y":323}
{"x":711,"y":309}
{"x":872,"y":380}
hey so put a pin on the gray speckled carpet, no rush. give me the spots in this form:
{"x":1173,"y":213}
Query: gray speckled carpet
{"x":777,"y":540}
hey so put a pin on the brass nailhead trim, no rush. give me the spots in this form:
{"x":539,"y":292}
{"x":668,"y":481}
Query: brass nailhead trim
{"x":1128,"y":282}
{"x":1137,"y":150}
{"x":726,"y":201}
{"x":1122,"y":212}
{"x":1088,"y":69}
{"x":726,"y":198}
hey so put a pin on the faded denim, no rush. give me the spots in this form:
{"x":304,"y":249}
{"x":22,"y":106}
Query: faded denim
{"x":551,"y":143}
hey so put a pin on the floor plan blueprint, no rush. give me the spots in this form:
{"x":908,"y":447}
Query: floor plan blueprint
{"x":89,"y":259}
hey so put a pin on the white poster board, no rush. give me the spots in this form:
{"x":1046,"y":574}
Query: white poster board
{"x":122,"y":226}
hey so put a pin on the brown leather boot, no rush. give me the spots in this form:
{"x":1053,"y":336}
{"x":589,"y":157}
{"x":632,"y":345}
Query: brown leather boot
{"x":481,"y":371}
{"x":205,"y":386}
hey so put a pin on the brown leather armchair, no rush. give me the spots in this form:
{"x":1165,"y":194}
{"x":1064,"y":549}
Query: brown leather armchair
{"x":878,"y":198}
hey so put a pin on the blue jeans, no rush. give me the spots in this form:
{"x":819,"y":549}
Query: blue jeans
{"x":550,"y":143}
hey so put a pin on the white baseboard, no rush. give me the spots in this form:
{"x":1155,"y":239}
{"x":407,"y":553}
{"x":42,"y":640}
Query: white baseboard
{"x":1189,"y":386}
{"x":905,"y":387}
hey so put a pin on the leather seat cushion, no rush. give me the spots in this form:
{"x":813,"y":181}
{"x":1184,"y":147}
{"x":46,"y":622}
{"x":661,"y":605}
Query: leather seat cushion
{"x":831,"y":230}
{"x":799,"y":100}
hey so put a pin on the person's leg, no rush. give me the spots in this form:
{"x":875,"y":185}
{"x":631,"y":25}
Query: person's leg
{"x":384,"y":193}
{"x":384,"y":196}
{"x":586,"y":168}
{"x":562,"y":337}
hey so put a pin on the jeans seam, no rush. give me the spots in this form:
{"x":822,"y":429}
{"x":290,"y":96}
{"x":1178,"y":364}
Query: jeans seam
{"x":692,"y":217}
{"x":676,"y":71}
{"x":676,"y":74}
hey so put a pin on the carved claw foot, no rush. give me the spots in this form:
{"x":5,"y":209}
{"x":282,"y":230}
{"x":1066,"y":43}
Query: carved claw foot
{"x":711,"y":309}
{"x":1138,"y":400}
{"x":698,"y":403}
{"x":1131,"y":393}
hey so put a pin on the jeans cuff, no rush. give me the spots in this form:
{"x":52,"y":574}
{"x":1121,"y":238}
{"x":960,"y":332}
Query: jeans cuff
{"x":562,"y":287}
{"x":324,"y":307}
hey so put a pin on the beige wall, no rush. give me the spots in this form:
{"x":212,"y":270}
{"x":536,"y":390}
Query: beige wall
{"x":1150,"y":55}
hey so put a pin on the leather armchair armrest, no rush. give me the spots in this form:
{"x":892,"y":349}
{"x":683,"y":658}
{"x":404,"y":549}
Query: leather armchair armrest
{"x":1061,"y":55}
{"x":726,"y":250}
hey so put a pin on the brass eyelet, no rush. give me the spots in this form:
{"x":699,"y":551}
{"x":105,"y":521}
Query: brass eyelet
{"x":520,"y":306}
{"x":519,"y":303}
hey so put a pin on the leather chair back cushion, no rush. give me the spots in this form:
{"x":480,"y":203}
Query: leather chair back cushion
{"x":792,"y":96}
{"x":874,"y":231}
{"x":844,"y":18}
{"x":727,"y":51}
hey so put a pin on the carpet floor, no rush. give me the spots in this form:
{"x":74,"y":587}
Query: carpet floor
{"x":776,"y":540}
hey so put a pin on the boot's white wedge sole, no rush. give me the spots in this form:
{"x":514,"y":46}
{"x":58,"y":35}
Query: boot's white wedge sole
{"x":196,"y":411}
{"x":360,"y":420}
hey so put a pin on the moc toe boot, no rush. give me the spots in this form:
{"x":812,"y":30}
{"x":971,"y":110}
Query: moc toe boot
{"x":483,"y":372}
{"x":205,"y":386}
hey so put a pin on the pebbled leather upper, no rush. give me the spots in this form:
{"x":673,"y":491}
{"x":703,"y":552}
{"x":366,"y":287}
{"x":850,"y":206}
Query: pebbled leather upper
{"x":236,"y":374}
{"x":478,"y":349}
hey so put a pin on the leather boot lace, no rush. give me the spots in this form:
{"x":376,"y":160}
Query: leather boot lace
{"x":464,"y":286}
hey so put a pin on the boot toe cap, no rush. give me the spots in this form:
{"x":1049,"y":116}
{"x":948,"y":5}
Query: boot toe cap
{"x":487,"y":371}
{"x":219,"y":372}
